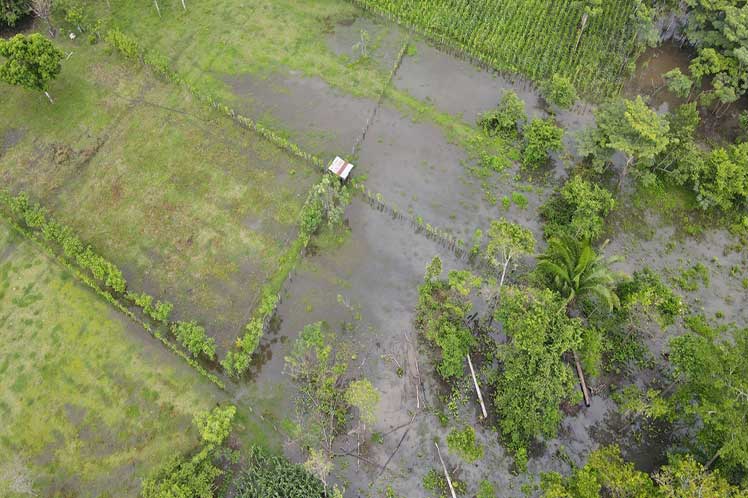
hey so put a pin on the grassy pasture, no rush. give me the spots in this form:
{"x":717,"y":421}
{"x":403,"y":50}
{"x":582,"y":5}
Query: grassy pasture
{"x":88,"y":407}
{"x":194,"y":209}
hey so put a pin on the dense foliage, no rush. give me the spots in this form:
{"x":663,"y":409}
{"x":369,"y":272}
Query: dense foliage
{"x":578,"y":209}
{"x":463,"y":443}
{"x":534,"y":379}
{"x":532,"y":37}
{"x":559,"y":91}
{"x":719,"y":30}
{"x":30,"y":61}
{"x":506,"y":119}
{"x":443,"y":307}
{"x":192,"y":336}
{"x":13,"y":10}
{"x":195,"y":476}
{"x":711,"y":367}
{"x":631,"y":128}
{"x":607,"y":474}
{"x":542,"y":137}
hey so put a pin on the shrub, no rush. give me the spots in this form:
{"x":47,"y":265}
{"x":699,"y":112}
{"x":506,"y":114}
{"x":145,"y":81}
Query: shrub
{"x":215,"y":425}
{"x":578,"y":209}
{"x":13,"y":10}
{"x":181,"y":478}
{"x":559,"y":90}
{"x":192,"y":337}
{"x":463,"y":443}
{"x":542,"y":137}
{"x":506,"y":119}
{"x":117,"y":40}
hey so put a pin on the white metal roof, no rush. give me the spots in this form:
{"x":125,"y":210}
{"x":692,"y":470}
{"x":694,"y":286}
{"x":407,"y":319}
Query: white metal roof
{"x":340,"y":167}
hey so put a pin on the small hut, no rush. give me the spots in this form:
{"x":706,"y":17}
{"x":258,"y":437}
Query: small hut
{"x":340,"y":168}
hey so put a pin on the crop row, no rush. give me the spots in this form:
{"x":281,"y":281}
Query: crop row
{"x":535,"y":38}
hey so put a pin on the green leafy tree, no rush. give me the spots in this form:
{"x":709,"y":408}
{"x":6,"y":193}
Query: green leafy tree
{"x":535,"y":379}
{"x":720,"y":31}
{"x":193,"y":337}
{"x":711,"y":369}
{"x":507,"y":241}
{"x":578,"y":209}
{"x":184,"y":478}
{"x":507,"y":118}
{"x":13,"y":10}
{"x":273,"y":476}
{"x":573,"y":269}
{"x":215,"y":425}
{"x":443,"y":307}
{"x":723,"y":180}
{"x":559,"y":90}
{"x":30,"y":61}
{"x":684,"y":477}
{"x":605,"y":474}
{"x":542,"y":137}
{"x":678,"y":83}
{"x":629,"y":127}
{"x":362,"y":395}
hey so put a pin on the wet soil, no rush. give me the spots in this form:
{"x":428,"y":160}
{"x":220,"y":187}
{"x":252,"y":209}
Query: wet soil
{"x":321,"y":119}
{"x":384,"y":41}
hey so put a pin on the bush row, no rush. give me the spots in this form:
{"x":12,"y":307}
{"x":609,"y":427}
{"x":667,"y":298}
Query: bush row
{"x":62,"y":240}
{"x":107,"y":296}
{"x":326,"y":201}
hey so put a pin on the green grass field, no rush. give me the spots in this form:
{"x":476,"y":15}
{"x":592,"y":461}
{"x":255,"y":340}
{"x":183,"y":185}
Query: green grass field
{"x":195,"y":209}
{"x":89,"y":406}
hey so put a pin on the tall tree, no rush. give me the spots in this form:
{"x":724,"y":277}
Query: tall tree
{"x":507,"y":241}
{"x":711,"y":368}
{"x":30,"y":61}
{"x":629,"y":127}
{"x":534,"y":380}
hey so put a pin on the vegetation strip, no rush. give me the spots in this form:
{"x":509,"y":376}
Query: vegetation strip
{"x":522,"y":36}
{"x":31,"y":221}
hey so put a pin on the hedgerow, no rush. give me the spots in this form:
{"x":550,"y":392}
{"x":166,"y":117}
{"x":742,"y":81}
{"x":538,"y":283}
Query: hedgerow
{"x":102,"y":273}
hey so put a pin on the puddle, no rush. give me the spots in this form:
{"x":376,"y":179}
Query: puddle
{"x":648,"y":80}
{"x":10,"y":138}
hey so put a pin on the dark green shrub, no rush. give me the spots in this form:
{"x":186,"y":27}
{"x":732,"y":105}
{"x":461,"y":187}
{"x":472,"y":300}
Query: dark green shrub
{"x":506,"y":119}
{"x":192,"y":336}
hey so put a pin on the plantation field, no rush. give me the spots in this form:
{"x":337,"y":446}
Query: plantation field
{"x":89,"y":407}
{"x":194,"y":209}
{"x":533,"y":37}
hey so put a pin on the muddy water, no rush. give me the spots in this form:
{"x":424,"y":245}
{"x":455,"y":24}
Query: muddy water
{"x":321,"y":119}
{"x":648,"y":80}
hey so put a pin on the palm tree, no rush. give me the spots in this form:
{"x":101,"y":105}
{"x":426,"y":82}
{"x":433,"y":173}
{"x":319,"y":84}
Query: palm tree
{"x":574,"y":270}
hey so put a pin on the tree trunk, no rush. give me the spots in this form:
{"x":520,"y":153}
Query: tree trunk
{"x":712,"y":460}
{"x":446,"y":474}
{"x":582,"y":382}
{"x":184,"y":5}
{"x":50,"y":98}
{"x":477,"y":388}
{"x":157,"y":8}
{"x":585,"y":17}
{"x":624,"y":172}
{"x":496,"y":300}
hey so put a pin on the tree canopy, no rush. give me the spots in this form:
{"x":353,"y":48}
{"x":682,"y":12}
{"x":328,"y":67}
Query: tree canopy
{"x":30,"y":61}
{"x":535,"y":379}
